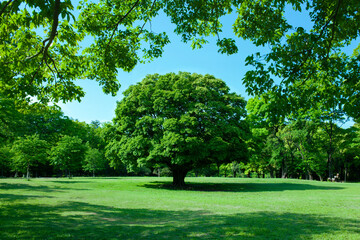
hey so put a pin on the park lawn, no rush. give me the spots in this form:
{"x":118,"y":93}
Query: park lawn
{"x":149,"y":208}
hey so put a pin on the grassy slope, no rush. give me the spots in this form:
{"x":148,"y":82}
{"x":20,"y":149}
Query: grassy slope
{"x":147,"y":208}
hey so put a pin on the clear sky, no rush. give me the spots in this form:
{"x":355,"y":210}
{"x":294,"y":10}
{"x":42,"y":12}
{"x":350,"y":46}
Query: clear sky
{"x":177,"y":56}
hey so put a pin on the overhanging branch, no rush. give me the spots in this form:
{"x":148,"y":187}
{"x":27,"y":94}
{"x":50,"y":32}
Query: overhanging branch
{"x":4,"y":8}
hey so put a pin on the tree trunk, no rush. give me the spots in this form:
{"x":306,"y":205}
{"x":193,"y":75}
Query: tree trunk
{"x":27,"y":172}
{"x":330,"y":148}
{"x":93,"y":173}
{"x":283,"y":167}
{"x":345,"y":174}
{"x":320,"y":177}
{"x":310,"y":177}
{"x":330,"y":165}
{"x":179,"y":177}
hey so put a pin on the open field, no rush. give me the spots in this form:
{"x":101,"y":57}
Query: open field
{"x":148,"y":208}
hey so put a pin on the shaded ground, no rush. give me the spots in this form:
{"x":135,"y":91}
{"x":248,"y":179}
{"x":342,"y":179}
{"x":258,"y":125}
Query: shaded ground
{"x":239,"y":187}
{"x":76,"y":220}
{"x":51,"y":210}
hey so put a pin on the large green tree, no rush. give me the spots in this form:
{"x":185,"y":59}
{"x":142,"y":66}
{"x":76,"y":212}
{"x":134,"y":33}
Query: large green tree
{"x":183,"y":121}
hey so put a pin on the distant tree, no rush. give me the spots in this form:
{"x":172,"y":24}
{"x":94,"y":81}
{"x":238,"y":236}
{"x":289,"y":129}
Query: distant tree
{"x":48,"y":122}
{"x":94,"y":161}
{"x":235,"y":169}
{"x":349,"y":153}
{"x":267,"y":150}
{"x":5,"y":159}
{"x":184,"y":121}
{"x":68,"y":154}
{"x":10,"y":120}
{"x":301,"y":138}
{"x":28,"y":152}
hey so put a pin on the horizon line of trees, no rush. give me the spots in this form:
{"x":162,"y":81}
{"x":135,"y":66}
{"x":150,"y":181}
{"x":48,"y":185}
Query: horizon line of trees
{"x":39,"y":141}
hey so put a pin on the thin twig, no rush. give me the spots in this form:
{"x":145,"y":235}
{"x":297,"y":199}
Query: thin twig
{"x":4,"y":8}
{"x":332,"y":18}
{"x":117,"y":24}
{"x":50,"y":69}
{"x":152,"y":7}
{"x":56,"y":69}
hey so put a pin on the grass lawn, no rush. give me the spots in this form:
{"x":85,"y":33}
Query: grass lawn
{"x":148,"y":208}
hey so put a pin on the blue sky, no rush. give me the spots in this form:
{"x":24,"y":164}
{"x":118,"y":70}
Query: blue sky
{"x":177,"y":56}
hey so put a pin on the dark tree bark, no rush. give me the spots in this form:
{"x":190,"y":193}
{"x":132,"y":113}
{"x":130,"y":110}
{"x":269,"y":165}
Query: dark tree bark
{"x":179,"y":175}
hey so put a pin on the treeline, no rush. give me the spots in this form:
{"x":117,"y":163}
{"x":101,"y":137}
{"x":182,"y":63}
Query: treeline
{"x":39,"y":141}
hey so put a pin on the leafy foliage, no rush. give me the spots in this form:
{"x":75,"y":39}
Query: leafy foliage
{"x":68,"y":155}
{"x":94,"y":161}
{"x":41,"y":54}
{"x":183,"y":121}
{"x":28,"y":152}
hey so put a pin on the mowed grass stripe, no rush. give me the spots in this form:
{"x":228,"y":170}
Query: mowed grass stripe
{"x":150,"y":208}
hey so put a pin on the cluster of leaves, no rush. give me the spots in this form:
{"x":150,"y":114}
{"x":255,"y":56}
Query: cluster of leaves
{"x":41,"y":53}
{"x":39,"y":50}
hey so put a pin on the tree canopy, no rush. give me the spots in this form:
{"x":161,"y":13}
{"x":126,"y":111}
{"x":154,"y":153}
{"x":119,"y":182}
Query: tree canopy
{"x":27,"y":152}
{"x":68,"y":155}
{"x":183,"y":121}
{"x":42,"y":55}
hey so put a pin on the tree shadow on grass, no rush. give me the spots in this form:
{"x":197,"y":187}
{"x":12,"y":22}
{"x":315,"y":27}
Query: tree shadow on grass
{"x":28,"y":187}
{"x":14,"y":197}
{"x":239,"y":187}
{"x":77,"y":220}
{"x":68,"y":181}
{"x":110,"y":178}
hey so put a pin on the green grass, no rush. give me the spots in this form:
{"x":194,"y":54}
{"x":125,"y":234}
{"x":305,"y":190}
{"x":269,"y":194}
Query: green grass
{"x":149,"y":208}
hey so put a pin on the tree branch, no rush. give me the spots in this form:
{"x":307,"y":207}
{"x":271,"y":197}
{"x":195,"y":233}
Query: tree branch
{"x":152,"y":7}
{"x":54,"y":25}
{"x":120,"y":20}
{"x":331,"y":18}
{"x":333,"y":28}
{"x":52,"y":35}
{"x":56,"y":69}
{"x":4,"y":8}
